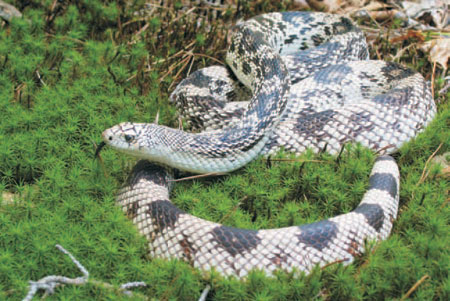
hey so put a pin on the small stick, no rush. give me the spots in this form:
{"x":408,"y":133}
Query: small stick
{"x":180,"y":123}
{"x":74,"y":260}
{"x":190,"y":66}
{"x":209,"y":57}
{"x":366,"y":261}
{"x":124,"y":287}
{"x":142,"y":29}
{"x":334,"y":262}
{"x":40,"y":78}
{"x":49,"y":283}
{"x":183,"y":61}
{"x":432,"y":78}
{"x":268,"y":162}
{"x":179,"y":72}
{"x":204,"y":293}
{"x":442,"y":91}
{"x":338,"y":158}
{"x":297,"y":160}
{"x":233,"y":210}
{"x":112,"y":75}
{"x":210,"y":174}
{"x":384,"y":148}
{"x":445,"y":203}
{"x":324,"y":149}
{"x":414,"y":287}
{"x":424,"y":174}
{"x":156,"y":118}
{"x":183,"y":15}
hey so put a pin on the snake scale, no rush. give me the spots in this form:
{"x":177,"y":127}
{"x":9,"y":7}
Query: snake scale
{"x":310,"y":85}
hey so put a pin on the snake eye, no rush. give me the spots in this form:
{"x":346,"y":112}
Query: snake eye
{"x":128,"y":138}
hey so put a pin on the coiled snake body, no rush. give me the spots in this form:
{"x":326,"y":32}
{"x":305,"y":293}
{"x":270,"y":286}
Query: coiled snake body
{"x":310,"y":86}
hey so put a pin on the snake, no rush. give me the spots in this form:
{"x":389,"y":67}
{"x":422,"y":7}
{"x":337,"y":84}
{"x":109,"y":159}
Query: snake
{"x":294,"y":81}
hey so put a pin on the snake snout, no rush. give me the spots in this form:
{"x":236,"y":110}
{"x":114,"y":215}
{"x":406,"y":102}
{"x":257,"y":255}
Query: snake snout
{"x":107,"y":136}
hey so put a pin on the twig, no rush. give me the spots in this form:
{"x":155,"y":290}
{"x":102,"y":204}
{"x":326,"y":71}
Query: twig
{"x":232,"y":211}
{"x":372,"y":250}
{"x":112,"y":75}
{"x":424,"y":174}
{"x":182,"y":16}
{"x":141,"y":30}
{"x":384,"y":148}
{"x":39,"y":77}
{"x":432,"y":78}
{"x":190,"y":66}
{"x":168,"y":291}
{"x":401,"y":52}
{"x":443,"y":90}
{"x":414,"y":287}
{"x":75,"y":261}
{"x":49,"y":283}
{"x":445,"y":203}
{"x":185,"y":54}
{"x":182,"y":51}
{"x":210,"y":174}
{"x":179,"y":72}
{"x":123,"y":288}
{"x":209,"y":57}
{"x":338,"y":158}
{"x":297,"y":160}
{"x":183,"y":61}
{"x":52,"y":9}
{"x":66,"y":38}
{"x":204,"y":293}
{"x":334,"y":262}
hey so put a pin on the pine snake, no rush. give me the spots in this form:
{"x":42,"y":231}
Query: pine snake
{"x":310,"y":85}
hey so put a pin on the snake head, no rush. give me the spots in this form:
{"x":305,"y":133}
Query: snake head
{"x":136,"y":139}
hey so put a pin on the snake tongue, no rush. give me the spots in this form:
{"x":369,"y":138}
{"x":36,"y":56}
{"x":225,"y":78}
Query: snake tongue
{"x":99,"y":148}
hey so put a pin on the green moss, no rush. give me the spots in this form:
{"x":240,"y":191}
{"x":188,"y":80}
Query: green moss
{"x":70,"y":73}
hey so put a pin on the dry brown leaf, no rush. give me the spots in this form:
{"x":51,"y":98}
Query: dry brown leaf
{"x":7,"y":11}
{"x":418,"y":35}
{"x":325,"y":5}
{"x":442,"y":160}
{"x":446,"y":172}
{"x":301,"y":4}
{"x":427,"y":10}
{"x":8,"y":198}
{"x":439,"y":50}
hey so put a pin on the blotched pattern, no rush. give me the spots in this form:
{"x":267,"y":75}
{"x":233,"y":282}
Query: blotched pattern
{"x":173,"y":233}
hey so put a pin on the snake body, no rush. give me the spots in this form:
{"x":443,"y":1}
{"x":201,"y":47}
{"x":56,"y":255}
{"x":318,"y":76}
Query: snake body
{"x":173,"y":233}
{"x":310,"y":86}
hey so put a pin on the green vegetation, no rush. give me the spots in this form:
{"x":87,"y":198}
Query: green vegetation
{"x":69,"y":71}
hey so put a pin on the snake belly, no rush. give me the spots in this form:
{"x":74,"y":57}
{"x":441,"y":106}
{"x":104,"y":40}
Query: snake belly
{"x":323,"y":97}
